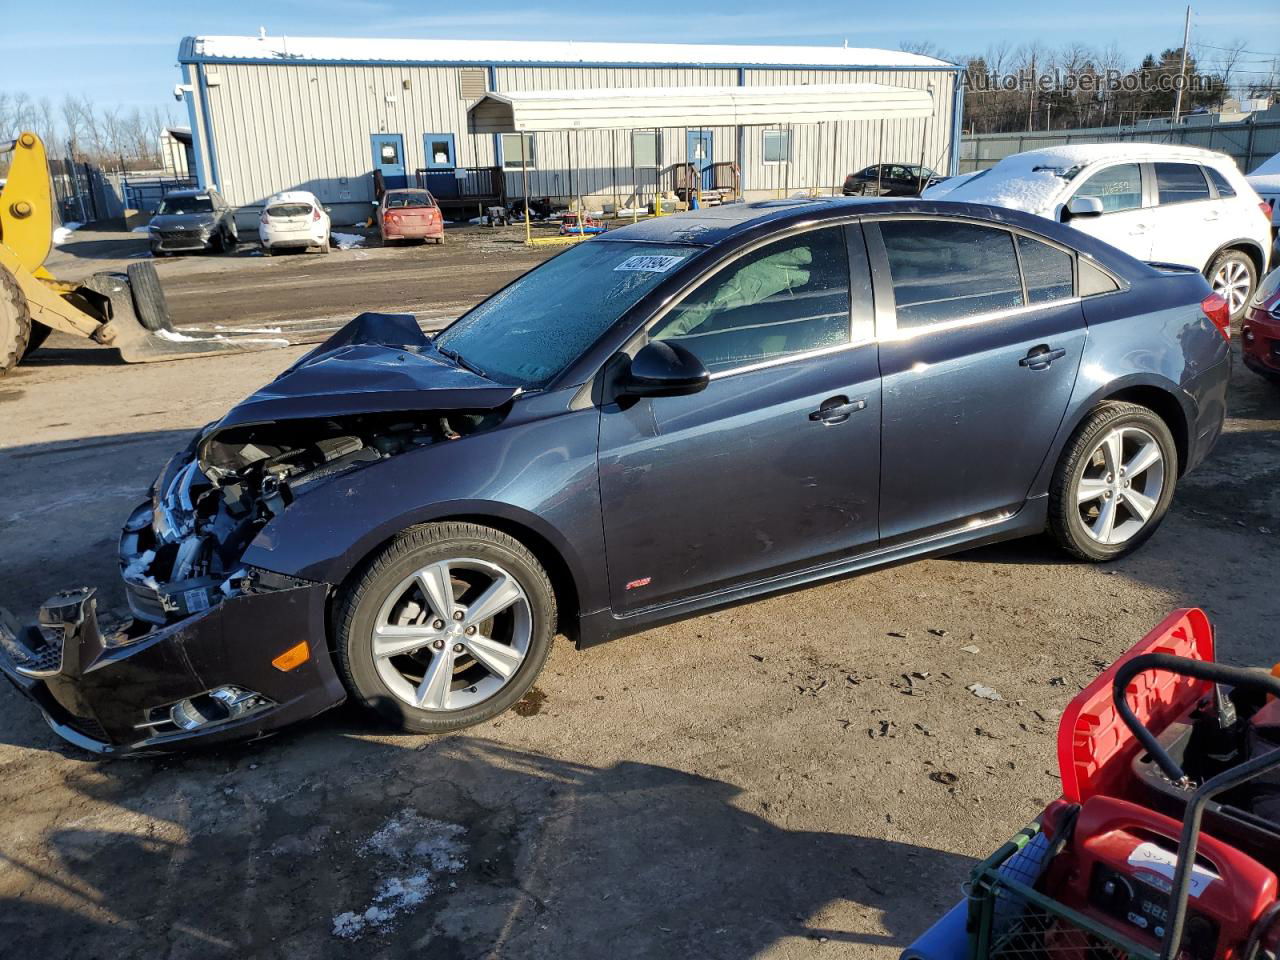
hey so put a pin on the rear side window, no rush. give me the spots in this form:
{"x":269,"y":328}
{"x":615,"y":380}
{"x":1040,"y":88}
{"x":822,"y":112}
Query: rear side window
{"x":1180,"y":183}
{"x":1220,"y":182}
{"x":790,"y":296}
{"x":1094,"y":281}
{"x":1046,"y":271}
{"x":944,"y":271}
{"x":1118,"y":187}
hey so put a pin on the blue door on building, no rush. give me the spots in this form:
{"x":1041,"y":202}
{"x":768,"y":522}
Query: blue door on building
{"x":388,"y":156}
{"x":438,"y":149}
{"x":699,"y":144}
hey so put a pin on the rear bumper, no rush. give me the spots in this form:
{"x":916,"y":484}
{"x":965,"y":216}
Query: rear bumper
{"x":1209,"y":395}
{"x":112,"y":699}
{"x":408,"y":232}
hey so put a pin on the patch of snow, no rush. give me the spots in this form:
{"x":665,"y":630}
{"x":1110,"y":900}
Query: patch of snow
{"x":63,"y":233}
{"x":421,"y":850}
{"x":138,"y":565}
{"x":176,"y":336}
{"x":347,"y":241}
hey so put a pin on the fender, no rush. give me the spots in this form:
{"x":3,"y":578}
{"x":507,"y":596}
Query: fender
{"x":1250,"y":246}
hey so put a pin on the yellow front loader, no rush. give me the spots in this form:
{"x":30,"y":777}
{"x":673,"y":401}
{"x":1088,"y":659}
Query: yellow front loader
{"x":126,"y":311}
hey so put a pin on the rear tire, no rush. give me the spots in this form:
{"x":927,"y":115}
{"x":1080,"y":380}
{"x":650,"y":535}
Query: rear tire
{"x":148,"y":296}
{"x":1120,"y":463}
{"x":15,"y":323}
{"x":466,"y":560}
{"x":1233,"y":275}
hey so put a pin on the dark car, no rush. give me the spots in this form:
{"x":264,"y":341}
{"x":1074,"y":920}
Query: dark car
{"x":678,"y":415}
{"x":192,"y":220}
{"x":890,"y":180}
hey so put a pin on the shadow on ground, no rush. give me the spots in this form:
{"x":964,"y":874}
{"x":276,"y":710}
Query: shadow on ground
{"x":460,"y":848}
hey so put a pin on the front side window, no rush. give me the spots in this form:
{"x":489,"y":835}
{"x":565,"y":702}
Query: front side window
{"x":777,"y":146}
{"x":1180,"y":183}
{"x":534,"y":328}
{"x":511,"y":158}
{"x":787,"y":297}
{"x":644,"y":148}
{"x":1046,"y":271}
{"x":944,"y":271}
{"x":1118,"y":187}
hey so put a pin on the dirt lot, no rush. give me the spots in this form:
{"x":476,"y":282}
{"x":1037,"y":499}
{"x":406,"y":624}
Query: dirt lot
{"x":758,"y":782}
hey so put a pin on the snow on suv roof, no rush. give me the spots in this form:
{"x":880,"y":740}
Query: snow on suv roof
{"x":1032,"y":180}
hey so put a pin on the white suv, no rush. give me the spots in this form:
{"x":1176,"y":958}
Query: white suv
{"x":294,"y":218}
{"x":1157,"y":203}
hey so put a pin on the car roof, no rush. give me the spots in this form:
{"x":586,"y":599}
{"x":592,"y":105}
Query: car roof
{"x":1082,"y":154}
{"x":190,"y":192}
{"x":714,"y":225}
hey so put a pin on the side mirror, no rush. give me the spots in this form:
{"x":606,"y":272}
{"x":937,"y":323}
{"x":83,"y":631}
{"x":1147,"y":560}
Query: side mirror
{"x":662,"y":369}
{"x":328,"y":209}
{"x":1084,"y":207}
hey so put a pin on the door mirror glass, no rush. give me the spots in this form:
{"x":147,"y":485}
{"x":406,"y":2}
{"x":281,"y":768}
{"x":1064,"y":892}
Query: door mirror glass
{"x":1085,"y":207}
{"x":663,"y":369}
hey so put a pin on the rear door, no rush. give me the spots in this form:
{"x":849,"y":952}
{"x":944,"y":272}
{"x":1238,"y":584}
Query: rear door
{"x":775,"y":465}
{"x":1127,"y":221}
{"x":977,"y":370}
{"x":1189,"y":220}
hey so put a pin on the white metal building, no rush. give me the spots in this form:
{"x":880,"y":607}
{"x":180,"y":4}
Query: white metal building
{"x":321,"y":114}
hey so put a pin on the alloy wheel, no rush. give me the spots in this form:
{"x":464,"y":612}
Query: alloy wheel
{"x":452,"y":634}
{"x":1120,"y":484}
{"x":1231,"y":282}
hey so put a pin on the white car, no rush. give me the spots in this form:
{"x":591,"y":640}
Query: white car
{"x":1266,"y":180}
{"x":294,"y":219}
{"x":1162,"y":204}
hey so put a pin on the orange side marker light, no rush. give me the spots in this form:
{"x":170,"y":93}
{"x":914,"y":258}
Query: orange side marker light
{"x":295,"y":656}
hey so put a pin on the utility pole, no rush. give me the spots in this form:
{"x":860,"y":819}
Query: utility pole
{"x":1182,"y":71}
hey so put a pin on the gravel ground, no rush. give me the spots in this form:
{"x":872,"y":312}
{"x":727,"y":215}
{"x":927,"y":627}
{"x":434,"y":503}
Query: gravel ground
{"x":801,"y":776}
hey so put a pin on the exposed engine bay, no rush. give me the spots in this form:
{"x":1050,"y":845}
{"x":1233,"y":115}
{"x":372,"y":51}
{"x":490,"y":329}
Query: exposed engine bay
{"x":180,"y":551}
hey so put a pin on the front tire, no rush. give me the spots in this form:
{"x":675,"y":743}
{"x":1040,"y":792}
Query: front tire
{"x":1233,"y":276}
{"x":448,"y":626}
{"x":1113,"y":483}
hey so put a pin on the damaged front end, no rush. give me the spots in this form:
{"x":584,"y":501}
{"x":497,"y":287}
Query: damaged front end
{"x":218,"y":649}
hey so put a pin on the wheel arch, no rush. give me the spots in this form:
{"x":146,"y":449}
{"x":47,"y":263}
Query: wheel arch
{"x":1161,"y":399}
{"x":528,"y":530}
{"x":1244,"y":245}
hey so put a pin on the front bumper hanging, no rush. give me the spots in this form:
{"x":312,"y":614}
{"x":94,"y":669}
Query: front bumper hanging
{"x":209,"y":677}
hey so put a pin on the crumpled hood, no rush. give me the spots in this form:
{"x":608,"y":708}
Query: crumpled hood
{"x":377,"y":363}
{"x":182,"y":221}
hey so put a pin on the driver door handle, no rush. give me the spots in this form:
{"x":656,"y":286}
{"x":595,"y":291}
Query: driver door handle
{"x":837,"y":410}
{"x":1039,"y":358}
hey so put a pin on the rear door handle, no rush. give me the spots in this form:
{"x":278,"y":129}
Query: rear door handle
{"x":837,"y":410}
{"x":1039,"y":358}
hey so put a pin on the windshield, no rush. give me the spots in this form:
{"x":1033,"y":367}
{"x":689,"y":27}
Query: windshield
{"x":413,"y":198}
{"x":527,"y":333}
{"x":177,"y":206}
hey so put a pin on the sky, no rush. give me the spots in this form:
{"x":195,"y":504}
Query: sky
{"x":126,"y":54}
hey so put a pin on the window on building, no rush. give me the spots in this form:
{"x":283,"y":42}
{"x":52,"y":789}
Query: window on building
{"x":511,"y":151}
{"x":944,"y":271}
{"x":1181,"y":182}
{"x":1046,"y":271}
{"x":646,"y":145}
{"x":790,"y":296}
{"x":1118,"y":187}
{"x":777,"y":146}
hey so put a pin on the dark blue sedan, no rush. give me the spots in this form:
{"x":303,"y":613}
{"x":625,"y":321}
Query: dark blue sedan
{"x":678,"y":415}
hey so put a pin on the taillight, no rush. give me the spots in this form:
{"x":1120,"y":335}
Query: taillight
{"x":1218,"y":311}
{"x":1266,"y":210}
{"x":315,"y":214}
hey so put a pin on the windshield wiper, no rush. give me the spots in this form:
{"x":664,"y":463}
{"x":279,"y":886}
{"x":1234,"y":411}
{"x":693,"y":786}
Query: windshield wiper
{"x":457,"y":358}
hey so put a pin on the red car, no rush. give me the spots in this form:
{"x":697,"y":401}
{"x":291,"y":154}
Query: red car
{"x":1260,"y":331}
{"x":410,"y":215}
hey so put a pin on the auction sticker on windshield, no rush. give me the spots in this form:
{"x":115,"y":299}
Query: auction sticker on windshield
{"x":648,"y":263}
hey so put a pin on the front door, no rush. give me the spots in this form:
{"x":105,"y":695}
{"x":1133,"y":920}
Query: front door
{"x":699,"y":153}
{"x":438,"y":148}
{"x":388,"y":157}
{"x":773,"y":467}
{"x":1125,"y":221}
{"x":976,"y":381}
